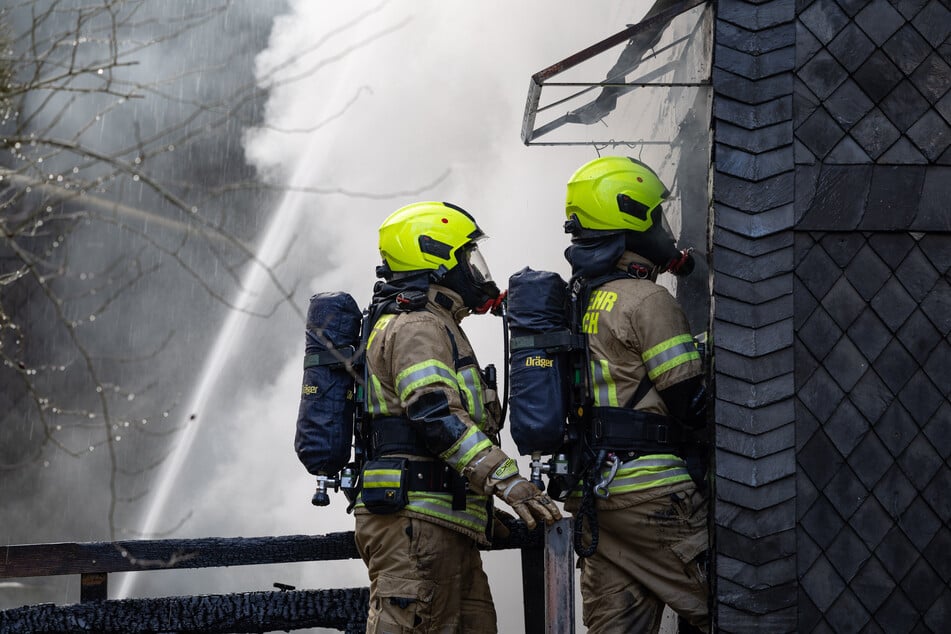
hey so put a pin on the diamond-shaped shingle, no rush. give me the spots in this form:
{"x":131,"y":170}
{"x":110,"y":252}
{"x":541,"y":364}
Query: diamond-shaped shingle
{"x":895,"y":491}
{"x":851,"y":47}
{"x":846,"y":427}
{"x":843,"y":303}
{"x":932,"y":78}
{"x":896,"y":428}
{"x":870,"y":460}
{"x":878,"y":76}
{"x":871,"y":396}
{"x":820,"y":132}
{"x":871,"y":522}
{"x":875,"y":133}
{"x":921,"y":397}
{"x":919,"y":336}
{"x":879,"y":20}
{"x":904,"y":105}
{"x":938,"y":431}
{"x":937,"y":306}
{"x":907,"y":49}
{"x":847,"y":493}
{"x":936,"y":366}
{"x":903,"y":152}
{"x":922,"y":585}
{"x":869,"y":334}
{"x":848,"y":104}
{"x":917,"y":275}
{"x":822,"y":74}
{"x":892,"y":247}
{"x":825,"y":19}
{"x":897,"y":614}
{"x":893,"y":304}
{"x":920,"y":462}
{"x":872,"y":584}
{"x":931,"y":134}
{"x":937,"y":553}
{"x":920,"y":523}
{"x":937,"y":248}
{"x":936,"y":493}
{"x":867,"y":273}
{"x":895,"y":366}
{"x":934,"y":22}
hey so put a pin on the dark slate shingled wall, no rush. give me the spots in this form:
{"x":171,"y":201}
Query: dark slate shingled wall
{"x":832,"y":321}
{"x":753,"y":192}
{"x":872,"y":117}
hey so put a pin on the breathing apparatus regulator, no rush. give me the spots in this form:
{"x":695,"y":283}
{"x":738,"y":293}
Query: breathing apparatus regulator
{"x":420,"y":244}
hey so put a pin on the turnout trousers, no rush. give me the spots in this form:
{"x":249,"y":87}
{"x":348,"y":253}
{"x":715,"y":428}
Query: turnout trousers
{"x":649,"y":554}
{"x":423,"y":578}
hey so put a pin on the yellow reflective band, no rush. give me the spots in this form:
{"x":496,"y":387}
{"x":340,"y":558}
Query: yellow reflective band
{"x":465,"y":449}
{"x":439,"y":505}
{"x":381,"y":478}
{"x":670,"y":354}
{"x":605,"y":391}
{"x":424,"y":373}
{"x":643,"y":473}
{"x":470,"y":382}
{"x":376,"y":401}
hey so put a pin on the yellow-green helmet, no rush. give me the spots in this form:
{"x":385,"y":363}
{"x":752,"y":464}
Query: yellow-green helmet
{"x":426,"y":236}
{"x":613,"y":193}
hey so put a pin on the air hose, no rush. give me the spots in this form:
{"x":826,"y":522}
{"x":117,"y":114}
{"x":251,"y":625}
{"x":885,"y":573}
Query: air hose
{"x":587,"y":510}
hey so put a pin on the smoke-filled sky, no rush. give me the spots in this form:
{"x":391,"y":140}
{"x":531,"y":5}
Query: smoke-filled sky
{"x":402,"y":97}
{"x":370,"y":107}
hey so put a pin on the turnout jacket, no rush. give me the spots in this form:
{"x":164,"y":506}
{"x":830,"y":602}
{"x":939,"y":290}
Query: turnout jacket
{"x":421,"y":367}
{"x":637,"y":331}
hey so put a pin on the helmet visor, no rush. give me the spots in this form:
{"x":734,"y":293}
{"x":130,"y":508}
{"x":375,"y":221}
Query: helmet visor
{"x":477,"y":265}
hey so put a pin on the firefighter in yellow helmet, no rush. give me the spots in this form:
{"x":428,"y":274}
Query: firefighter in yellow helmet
{"x":434,"y":460}
{"x":646,"y":400}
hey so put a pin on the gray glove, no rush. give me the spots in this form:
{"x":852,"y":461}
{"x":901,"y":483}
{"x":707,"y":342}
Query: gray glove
{"x":528,"y":502}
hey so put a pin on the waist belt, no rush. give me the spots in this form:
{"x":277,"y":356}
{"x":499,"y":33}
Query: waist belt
{"x":619,"y":429}
{"x":396,"y":435}
{"x":435,"y":477}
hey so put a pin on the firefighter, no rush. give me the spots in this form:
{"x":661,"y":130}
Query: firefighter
{"x":646,"y":399}
{"x":434,"y":460}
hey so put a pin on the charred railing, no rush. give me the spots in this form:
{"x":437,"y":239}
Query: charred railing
{"x":547,"y":579}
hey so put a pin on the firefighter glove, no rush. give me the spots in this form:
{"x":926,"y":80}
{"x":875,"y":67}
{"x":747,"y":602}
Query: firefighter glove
{"x":528,"y":502}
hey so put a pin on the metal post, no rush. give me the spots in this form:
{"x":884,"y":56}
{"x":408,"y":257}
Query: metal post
{"x":533,"y":589}
{"x":559,"y":578}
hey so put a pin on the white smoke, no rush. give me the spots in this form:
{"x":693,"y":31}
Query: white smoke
{"x":374,"y":101}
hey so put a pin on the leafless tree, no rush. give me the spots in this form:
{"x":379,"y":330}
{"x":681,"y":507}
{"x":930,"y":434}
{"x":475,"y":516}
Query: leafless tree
{"x":124,"y":200}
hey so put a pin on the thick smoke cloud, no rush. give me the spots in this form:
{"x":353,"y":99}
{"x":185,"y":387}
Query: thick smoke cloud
{"x":368,"y":109}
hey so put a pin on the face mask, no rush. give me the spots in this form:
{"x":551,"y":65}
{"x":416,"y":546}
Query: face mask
{"x":473,"y":281}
